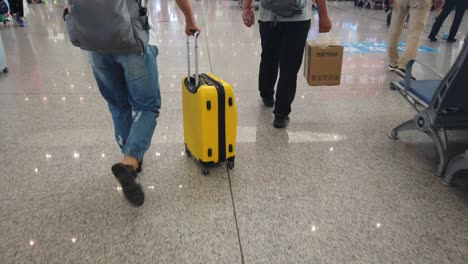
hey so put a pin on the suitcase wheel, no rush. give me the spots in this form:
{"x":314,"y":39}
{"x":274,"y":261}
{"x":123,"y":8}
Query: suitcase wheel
{"x":206,"y":170}
{"x":5,"y":70}
{"x":230,"y":163}
{"x":187,"y":151}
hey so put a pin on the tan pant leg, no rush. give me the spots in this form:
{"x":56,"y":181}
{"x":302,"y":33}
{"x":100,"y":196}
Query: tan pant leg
{"x":418,"y":11}
{"x":399,"y":13}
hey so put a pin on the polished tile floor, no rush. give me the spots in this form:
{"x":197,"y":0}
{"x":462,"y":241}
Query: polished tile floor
{"x":329,"y":189}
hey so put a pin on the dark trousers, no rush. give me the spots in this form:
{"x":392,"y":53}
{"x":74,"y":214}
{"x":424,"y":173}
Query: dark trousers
{"x":283,"y":45}
{"x":460,"y":6}
{"x":16,"y":7}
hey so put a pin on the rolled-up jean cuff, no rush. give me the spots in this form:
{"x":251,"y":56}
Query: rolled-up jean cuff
{"x":133,"y":153}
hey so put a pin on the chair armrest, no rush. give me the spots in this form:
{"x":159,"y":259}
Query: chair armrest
{"x":409,"y":74}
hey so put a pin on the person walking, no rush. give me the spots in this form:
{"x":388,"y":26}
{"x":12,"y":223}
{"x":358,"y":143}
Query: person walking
{"x":283,"y":39}
{"x":17,"y":8}
{"x":124,"y":66}
{"x":418,"y":11}
{"x":460,"y":7}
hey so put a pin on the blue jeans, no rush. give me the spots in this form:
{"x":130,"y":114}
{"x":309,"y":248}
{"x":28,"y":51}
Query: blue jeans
{"x":130,"y":85}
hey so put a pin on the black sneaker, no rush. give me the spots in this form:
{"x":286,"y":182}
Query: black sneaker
{"x":268,"y":102}
{"x":126,"y":176}
{"x":281,"y":121}
{"x":432,"y":38}
{"x":451,"y":40}
{"x":392,"y":68}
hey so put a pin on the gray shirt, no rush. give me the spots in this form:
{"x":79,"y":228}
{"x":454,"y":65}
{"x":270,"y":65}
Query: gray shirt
{"x":268,"y":15}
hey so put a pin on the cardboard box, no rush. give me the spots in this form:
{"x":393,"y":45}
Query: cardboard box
{"x":322,"y":63}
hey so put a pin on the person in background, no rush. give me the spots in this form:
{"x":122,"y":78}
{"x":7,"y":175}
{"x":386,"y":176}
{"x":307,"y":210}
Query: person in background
{"x":439,"y":6}
{"x":418,"y":11}
{"x":314,"y":5}
{"x":283,"y":41}
{"x":6,"y":17}
{"x":17,"y":8}
{"x":460,"y":7}
{"x":129,"y":83}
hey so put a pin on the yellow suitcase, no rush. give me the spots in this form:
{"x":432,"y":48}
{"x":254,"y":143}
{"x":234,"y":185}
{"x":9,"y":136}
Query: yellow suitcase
{"x":210,"y":117}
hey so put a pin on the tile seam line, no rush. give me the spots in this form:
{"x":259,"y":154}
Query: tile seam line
{"x":235,"y":215}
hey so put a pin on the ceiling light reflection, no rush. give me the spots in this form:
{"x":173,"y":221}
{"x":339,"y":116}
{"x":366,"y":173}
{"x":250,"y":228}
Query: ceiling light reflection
{"x":308,"y":136}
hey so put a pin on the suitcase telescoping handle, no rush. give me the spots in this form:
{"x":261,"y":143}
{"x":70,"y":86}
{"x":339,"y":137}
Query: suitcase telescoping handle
{"x":196,"y":58}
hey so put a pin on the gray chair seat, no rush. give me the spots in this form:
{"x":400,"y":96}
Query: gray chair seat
{"x":423,"y":89}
